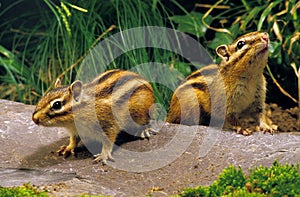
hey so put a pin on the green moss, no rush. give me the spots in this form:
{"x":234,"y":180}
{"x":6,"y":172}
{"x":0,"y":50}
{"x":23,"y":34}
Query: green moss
{"x":277,"y":180}
{"x":29,"y":190}
{"x":25,"y":190}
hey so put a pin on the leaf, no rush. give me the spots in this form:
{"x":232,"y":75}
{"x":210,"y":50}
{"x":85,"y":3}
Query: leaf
{"x":274,"y":46}
{"x":251,"y":16}
{"x":77,"y":7}
{"x":219,"y":39}
{"x":13,"y":66}
{"x":192,"y":23}
{"x":235,"y":30}
{"x":265,"y":14}
{"x":275,"y":51}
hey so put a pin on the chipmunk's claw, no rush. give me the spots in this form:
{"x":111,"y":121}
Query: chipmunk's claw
{"x":147,"y":133}
{"x":66,"y":151}
{"x":244,"y":132}
{"x":267,"y":127}
{"x":103,"y":157}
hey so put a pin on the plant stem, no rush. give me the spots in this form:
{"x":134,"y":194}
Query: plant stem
{"x":298,"y":75}
{"x":279,"y":86}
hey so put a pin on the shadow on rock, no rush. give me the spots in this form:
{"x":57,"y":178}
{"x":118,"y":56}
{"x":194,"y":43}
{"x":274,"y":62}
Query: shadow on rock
{"x":46,"y":156}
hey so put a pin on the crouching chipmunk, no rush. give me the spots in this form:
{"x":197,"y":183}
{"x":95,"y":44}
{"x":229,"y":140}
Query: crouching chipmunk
{"x":116,"y":100}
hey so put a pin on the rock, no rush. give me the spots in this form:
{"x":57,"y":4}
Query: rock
{"x":177,"y":157}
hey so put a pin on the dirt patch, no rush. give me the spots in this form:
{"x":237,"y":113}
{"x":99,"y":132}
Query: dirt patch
{"x":286,"y":119}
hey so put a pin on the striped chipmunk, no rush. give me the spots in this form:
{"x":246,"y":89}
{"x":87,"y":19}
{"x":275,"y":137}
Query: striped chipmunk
{"x":114,"y":101}
{"x":237,"y":80}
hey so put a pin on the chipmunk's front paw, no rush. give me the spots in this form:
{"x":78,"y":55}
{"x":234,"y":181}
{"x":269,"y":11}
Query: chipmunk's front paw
{"x":103,"y":157}
{"x":244,"y":132}
{"x":266,"y":128}
{"x":266,"y":125}
{"x":66,"y":151}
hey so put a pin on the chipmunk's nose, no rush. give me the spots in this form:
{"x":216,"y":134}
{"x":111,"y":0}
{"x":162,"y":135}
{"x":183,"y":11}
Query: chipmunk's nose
{"x":35,"y":118}
{"x":265,"y":36}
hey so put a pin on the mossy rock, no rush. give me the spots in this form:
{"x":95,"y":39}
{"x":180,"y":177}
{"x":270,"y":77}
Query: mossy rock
{"x":277,"y":180}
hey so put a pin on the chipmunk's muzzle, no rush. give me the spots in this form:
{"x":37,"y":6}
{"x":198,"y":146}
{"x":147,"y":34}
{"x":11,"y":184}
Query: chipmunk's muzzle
{"x":35,"y":118}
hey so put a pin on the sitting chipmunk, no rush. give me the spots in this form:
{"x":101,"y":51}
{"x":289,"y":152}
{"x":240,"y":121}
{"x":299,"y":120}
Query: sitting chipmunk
{"x":237,"y":80}
{"x":116,"y":100}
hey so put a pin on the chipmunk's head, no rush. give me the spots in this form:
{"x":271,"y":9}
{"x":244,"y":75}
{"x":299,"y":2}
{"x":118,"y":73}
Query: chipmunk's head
{"x":55,"y":107}
{"x":248,"y":50}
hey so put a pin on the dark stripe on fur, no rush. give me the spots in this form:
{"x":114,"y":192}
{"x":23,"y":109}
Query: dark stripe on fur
{"x":108,"y":75}
{"x":136,"y":90}
{"x":199,"y":85}
{"x":57,"y":114}
{"x":109,"y":88}
{"x":233,"y":62}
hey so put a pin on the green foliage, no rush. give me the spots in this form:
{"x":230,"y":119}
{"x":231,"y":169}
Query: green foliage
{"x":277,"y":180}
{"x":219,"y":39}
{"x":25,"y":190}
{"x":15,"y":72}
{"x":230,"y":179}
{"x":67,"y":32}
{"x":29,"y":190}
{"x":192,"y":23}
{"x":278,"y":17}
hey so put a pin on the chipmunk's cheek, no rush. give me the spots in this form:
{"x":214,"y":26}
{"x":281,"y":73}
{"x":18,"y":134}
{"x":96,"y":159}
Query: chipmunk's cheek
{"x":41,"y":119}
{"x":44,"y":122}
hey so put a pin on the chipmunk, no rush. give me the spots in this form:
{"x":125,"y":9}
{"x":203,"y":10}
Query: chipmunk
{"x":116,"y":100}
{"x":237,"y":80}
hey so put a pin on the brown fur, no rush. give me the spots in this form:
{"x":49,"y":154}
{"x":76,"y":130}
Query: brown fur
{"x":116,"y":100}
{"x":237,"y":83}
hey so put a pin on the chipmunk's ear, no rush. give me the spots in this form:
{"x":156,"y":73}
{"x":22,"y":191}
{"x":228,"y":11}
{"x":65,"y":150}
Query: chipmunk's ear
{"x":57,"y":83}
{"x":222,"y":52}
{"x":76,"y":89}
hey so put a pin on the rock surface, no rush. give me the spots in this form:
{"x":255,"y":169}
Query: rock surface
{"x":177,"y":157}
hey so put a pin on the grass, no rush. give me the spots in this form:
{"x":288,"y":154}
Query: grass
{"x":33,"y":55}
{"x":56,"y":46}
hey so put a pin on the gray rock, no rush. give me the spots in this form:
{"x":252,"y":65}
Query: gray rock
{"x":177,"y":157}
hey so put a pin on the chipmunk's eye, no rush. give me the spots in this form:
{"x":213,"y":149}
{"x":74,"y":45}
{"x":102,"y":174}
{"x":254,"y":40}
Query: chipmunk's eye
{"x":56,"y":105}
{"x":240,"y":44}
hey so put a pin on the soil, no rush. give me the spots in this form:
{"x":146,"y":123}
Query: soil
{"x":286,"y":119}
